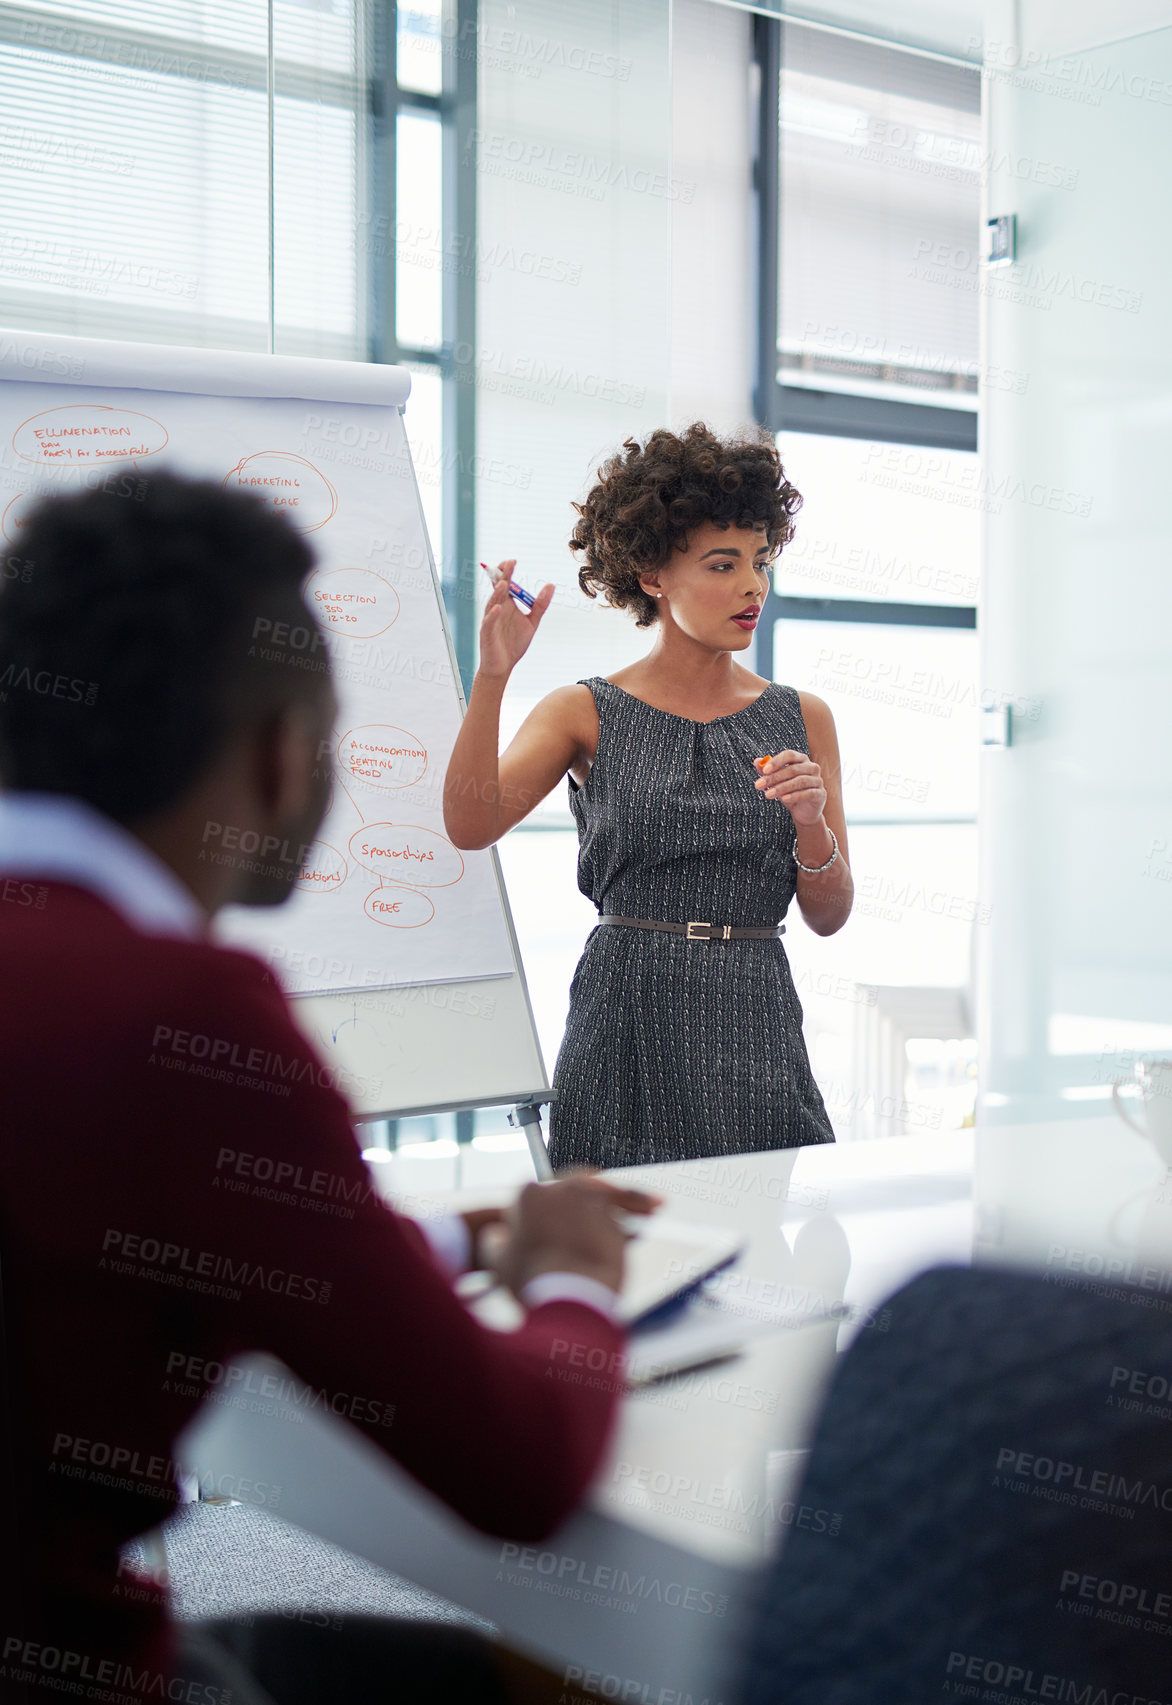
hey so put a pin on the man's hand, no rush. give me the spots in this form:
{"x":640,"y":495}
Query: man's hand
{"x":569,"y":1225}
{"x":476,"y":1219}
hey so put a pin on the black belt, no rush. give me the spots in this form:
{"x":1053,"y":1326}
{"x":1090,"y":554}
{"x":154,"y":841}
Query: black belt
{"x":712,"y":932}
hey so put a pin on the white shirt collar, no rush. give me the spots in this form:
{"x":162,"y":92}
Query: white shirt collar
{"x":56,"y":837}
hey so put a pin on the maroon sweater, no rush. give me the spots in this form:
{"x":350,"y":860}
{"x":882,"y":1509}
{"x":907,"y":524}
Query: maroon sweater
{"x":180,"y":1182}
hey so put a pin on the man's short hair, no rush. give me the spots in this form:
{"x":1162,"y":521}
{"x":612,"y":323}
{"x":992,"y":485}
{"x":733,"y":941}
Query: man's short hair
{"x":153,"y":619}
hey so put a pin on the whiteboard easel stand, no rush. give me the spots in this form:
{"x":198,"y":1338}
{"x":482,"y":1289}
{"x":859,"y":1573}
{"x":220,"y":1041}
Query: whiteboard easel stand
{"x":439,"y":1064}
{"x":525,"y":1115}
{"x":528,"y":1117}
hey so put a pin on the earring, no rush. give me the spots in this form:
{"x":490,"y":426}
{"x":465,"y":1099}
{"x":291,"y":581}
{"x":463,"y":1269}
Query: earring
{"x":659,"y":594}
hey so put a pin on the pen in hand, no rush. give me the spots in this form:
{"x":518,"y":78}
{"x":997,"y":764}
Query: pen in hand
{"x":534,"y":1224}
{"x":525,"y":599}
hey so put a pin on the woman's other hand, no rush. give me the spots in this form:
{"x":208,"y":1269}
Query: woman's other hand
{"x":795,"y":780}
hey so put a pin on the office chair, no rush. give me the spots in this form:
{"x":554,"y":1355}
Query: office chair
{"x":998,"y":1467}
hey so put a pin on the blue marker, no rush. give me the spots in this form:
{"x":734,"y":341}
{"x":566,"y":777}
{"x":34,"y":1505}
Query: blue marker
{"x":524,"y":598}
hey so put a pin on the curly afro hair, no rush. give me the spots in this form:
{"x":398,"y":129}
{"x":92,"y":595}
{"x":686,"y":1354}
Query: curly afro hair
{"x":145,"y":596}
{"x":649,"y":499}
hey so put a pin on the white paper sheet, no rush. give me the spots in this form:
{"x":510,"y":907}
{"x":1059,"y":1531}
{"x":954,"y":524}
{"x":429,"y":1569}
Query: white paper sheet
{"x":385,"y":898}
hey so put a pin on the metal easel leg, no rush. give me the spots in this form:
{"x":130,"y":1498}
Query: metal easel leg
{"x":527,"y":1116}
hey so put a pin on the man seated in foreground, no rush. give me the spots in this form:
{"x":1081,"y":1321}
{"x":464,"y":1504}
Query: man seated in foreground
{"x":145,"y":732}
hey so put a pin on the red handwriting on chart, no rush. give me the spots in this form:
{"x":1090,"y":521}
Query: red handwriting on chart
{"x":405,"y":852}
{"x":288,"y":482}
{"x":16,"y":516}
{"x":382,"y":756}
{"x":354,"y":601}
{"x":324,"y":871}
{"x":398,"y":908}
{"x":82,"y":433}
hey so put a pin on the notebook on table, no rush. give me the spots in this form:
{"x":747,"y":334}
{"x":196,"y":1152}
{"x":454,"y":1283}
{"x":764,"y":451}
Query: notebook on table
{"x":668,"y":1261}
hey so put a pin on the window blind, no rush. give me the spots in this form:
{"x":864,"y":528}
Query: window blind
{"x":880,"y":176}
{"x":134,"y":159}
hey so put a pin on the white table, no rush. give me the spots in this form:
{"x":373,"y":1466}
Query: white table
{"x":649,"y":1587}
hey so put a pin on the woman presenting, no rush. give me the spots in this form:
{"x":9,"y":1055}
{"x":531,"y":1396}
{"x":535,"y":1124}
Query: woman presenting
{"x":684,"y":1036}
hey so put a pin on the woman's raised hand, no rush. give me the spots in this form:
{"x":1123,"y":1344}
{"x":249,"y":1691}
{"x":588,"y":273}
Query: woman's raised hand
{"x":795,"y":780}
{"x":506,"y":629}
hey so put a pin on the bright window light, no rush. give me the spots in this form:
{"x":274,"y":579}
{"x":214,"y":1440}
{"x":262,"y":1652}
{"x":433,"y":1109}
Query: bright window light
{"x":1075,"y":1033}
{"x":501,"y":1142}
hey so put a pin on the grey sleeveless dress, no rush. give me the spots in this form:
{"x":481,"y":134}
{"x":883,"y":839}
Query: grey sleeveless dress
{"x":675,"y":1049}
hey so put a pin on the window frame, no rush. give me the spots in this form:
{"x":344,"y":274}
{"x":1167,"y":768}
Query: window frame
{"x":838,"y":414}
{"x":796,"y":408}
{"x":375,"y":110}
{"x":455,"y":110}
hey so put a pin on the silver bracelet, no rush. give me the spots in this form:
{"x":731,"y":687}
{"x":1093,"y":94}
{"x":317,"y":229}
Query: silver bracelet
{"x":817,"y":869}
